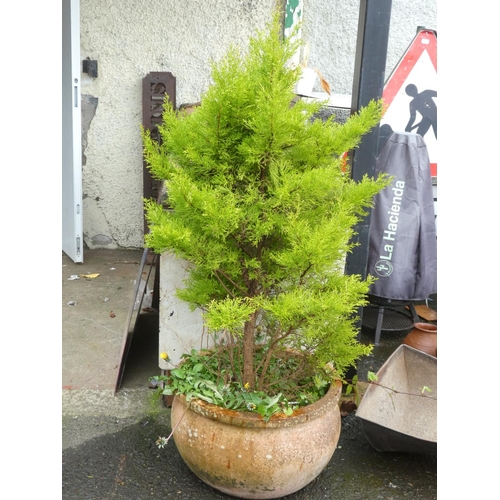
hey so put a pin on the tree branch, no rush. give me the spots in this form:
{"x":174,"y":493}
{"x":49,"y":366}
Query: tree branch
{"x":231,"y":281}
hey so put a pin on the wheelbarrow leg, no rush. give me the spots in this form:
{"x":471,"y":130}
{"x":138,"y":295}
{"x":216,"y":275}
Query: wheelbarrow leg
{"x":378,"y":329}
{"x":416,"y":318}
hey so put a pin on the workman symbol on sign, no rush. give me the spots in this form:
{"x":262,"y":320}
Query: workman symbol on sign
{"x":424,"y":104}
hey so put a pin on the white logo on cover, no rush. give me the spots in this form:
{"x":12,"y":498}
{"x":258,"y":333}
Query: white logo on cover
{"x":383,"y":268}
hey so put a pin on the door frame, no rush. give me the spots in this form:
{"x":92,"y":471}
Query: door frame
{"x":72,"y":217}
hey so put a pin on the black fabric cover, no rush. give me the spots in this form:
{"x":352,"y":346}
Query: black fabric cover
{"x":403,"y":242}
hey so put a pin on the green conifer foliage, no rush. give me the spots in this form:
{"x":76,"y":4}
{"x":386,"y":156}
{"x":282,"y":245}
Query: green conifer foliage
{"x":261,"y":203}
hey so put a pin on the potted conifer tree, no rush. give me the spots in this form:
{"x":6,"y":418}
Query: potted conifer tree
{"x":260,"y":202}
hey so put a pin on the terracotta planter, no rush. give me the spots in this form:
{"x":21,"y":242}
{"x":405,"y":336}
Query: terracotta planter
{"x":423,"y":337}
{"x":241,"y":455}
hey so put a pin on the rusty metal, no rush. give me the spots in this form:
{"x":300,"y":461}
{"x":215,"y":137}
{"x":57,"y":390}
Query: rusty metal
{"x":155,"y":86}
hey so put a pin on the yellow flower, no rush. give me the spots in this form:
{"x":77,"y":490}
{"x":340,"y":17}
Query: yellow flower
{"x":247,"y":385}
{"x":164,"y":355}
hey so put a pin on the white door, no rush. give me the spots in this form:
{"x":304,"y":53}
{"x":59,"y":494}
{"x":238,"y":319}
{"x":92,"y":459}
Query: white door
{"x":72,"y":220}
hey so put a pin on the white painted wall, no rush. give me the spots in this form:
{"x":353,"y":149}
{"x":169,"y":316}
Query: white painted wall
{"x":131,"y":38}
{"x":181,"y":329}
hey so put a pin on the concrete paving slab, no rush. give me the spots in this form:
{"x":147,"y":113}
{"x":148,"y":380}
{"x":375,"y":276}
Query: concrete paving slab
{"x":94,"y":316}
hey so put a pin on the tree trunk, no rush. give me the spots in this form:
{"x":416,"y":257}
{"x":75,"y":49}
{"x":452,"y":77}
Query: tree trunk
{"x":248,"y":345}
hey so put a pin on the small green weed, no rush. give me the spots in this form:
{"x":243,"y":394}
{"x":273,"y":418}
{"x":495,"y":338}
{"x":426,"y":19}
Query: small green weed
{"x":197,"y":376}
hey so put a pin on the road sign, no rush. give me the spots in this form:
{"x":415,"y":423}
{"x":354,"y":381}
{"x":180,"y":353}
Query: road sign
{"x":410,"y":94}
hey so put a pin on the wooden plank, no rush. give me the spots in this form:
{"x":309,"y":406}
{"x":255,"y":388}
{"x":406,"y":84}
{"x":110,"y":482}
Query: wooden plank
{"x":426,"y":312}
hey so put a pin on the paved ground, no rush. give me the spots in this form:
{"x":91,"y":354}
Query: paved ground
{"x":96,"y":300}
{"x":108,"y":440}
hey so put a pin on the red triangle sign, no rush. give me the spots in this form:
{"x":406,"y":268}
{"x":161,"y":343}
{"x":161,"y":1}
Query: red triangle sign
{"x":410,"y":93}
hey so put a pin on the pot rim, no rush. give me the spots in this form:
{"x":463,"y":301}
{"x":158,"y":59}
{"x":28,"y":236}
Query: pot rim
{"x":247,"y":419}
{"x":426,"y":327}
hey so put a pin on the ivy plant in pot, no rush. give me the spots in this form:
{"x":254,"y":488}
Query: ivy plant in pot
{"x":260,"y":202}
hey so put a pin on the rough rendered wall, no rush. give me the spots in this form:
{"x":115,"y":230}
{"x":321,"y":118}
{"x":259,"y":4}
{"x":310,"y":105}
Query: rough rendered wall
{"x":129,"y":39}
{"x":330,"y":27}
